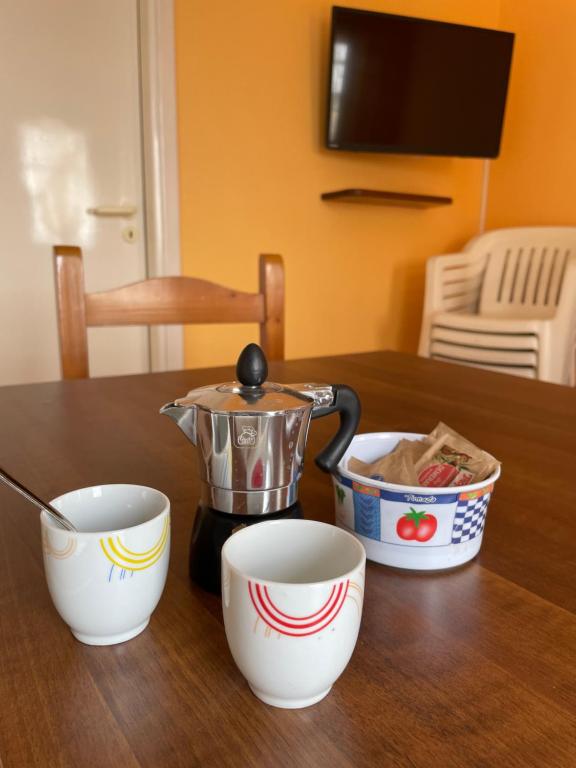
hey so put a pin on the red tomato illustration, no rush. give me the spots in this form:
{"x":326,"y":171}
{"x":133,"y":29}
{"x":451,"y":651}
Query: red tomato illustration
{"x":416,"y":526}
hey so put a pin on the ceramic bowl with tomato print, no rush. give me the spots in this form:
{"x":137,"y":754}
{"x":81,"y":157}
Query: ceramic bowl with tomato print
{"x":409,"y":526}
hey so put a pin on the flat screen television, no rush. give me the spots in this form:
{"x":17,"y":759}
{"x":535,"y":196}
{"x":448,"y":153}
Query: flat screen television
{"x":404,"y":85}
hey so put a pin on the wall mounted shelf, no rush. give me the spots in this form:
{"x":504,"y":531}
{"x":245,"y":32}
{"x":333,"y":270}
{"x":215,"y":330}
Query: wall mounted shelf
{"x":376,"y":197}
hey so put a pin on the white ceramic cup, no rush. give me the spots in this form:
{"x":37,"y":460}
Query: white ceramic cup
{"x":106,"y":579}
{"x":292,"y":593}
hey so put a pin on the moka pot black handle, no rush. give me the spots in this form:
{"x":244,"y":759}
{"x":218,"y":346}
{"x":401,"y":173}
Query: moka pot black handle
{"x":347,"y":404}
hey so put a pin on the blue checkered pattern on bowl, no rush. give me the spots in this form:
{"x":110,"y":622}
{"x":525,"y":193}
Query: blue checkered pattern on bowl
{"x":470,"y":518}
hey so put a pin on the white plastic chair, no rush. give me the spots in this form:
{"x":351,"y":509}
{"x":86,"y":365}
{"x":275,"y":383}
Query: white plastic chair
{"x":506,"y":303}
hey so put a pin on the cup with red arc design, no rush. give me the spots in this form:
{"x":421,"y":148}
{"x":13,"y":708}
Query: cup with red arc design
{"x":292,"y":594}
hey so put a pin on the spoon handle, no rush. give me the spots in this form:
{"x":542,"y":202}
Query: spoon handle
{"x":48,"y":508}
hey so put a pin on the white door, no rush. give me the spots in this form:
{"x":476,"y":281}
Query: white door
{"x":70,"y":136}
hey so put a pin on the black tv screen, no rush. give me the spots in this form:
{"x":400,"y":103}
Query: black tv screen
{"x":404,"y":85}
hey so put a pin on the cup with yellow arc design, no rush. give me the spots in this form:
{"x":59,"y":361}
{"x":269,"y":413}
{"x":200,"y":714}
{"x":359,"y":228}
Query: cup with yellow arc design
{"x":107,"y":578}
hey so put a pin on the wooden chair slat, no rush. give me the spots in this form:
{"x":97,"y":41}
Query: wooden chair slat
{"x":272,"y":290}
{"x":171,"y":300}
{"x":71,"y":310}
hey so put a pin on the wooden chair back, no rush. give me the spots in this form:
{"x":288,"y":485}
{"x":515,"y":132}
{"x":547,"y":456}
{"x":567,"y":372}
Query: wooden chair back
{"x":161,"y":301}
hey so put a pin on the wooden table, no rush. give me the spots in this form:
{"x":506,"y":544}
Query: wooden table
{"x":474,"y":667}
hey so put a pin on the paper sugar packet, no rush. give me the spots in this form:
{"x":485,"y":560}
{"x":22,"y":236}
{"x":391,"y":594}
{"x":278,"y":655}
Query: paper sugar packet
{"x":442,"y":458}
{"x":395,"y":467}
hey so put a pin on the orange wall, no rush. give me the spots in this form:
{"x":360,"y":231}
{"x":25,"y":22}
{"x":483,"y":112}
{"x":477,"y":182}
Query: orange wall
{"x":251,"y":80}
{"x":534,"y":179}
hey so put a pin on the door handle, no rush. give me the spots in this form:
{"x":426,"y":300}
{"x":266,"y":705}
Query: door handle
{"x":121,"y":211}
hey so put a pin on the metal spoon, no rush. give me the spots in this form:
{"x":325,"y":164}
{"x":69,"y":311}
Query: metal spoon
{"x":52,"y":511}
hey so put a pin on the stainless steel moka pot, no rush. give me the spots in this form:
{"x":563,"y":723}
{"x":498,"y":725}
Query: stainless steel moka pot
{"x":251,"y":437}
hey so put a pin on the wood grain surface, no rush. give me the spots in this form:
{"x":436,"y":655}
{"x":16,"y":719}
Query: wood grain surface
{"x":474,"y":667}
